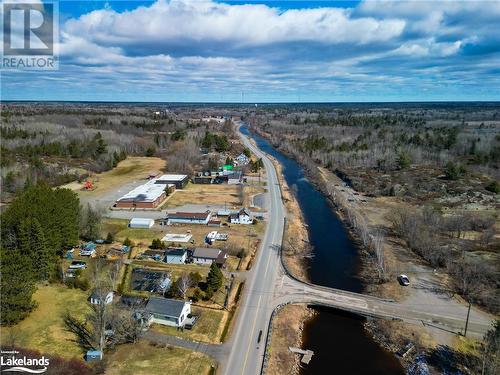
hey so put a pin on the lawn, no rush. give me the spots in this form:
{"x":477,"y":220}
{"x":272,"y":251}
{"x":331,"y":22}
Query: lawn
{"x":120,"y":230}
{"x":142,"y":358}
{"x":44,"y":329}
{"x":216,"y":194}
{"x":208,"y":328}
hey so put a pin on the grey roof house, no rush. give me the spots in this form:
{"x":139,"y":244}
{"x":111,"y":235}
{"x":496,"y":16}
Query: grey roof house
{"x":167,"y":311}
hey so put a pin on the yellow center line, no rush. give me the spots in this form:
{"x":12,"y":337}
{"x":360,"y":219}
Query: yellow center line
{"x":251,"y":337}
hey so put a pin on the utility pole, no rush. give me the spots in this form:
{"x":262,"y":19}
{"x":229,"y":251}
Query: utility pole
{"x":467,"y":320}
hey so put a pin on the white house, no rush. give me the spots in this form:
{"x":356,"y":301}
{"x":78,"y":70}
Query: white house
{"x":168,"y":312}
{"x":242,"y":159}
{"x":99,"y":296}
{"x":241,"y":217}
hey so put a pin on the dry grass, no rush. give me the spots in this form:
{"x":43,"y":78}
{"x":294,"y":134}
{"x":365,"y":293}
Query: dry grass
{"x":287,"y":331}
{"x":144,"y":359}
{"x":206,"y":194}
{"x":44,"y":328}
{"x":208,"y":328}
{"x":132,"y":168}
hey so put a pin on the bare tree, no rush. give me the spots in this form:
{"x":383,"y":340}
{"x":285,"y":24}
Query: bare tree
{"x":183,"y":284}
{"x":378,"y":250}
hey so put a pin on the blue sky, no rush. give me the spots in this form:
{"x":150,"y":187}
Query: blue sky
{"x":272,"y":51}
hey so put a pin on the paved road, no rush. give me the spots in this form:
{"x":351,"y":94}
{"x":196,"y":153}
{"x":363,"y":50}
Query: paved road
{"x":289,"y":290}
{"x":257,"y":304}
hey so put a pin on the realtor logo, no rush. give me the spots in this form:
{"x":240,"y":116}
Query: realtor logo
{"x":30,"y":33}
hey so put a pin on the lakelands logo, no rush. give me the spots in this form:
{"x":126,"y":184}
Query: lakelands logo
{"x":10,"y":363}
{"x":30,"y":35}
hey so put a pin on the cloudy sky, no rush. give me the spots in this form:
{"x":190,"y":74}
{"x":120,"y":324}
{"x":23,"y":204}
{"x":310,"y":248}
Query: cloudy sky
{"x":271,"y":51}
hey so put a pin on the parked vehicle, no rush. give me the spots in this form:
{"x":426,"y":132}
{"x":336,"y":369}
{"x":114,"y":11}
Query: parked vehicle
{"x":190,"y":321}
{"x":403,"y":280}
{"x":77,"y":265}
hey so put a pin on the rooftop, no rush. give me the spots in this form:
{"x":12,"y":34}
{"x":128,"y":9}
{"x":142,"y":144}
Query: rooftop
{"x":171,"y":177}
{"x":165,"y":306}
{"x":189,"y":215}
{"x":206,"y":252}
{"x":147,"y":192}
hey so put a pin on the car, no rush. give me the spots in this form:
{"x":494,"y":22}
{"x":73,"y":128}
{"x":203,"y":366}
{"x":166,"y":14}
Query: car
{"x":403,"y":280}
{"x":77,"y":265}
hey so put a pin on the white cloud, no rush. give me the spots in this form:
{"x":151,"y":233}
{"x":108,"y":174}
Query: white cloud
{"x":178,"y":21}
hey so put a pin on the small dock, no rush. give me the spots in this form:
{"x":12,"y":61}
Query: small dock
{"x":306,"y":354}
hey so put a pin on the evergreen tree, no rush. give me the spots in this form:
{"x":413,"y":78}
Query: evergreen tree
{"x":215,"y":278}
{"x":17,"y":286}
{"x":32,"y":244}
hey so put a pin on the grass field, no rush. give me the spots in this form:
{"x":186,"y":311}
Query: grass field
{"x":132,"y":168}
{"x":208,"y":328}
{"x":44,"y":329}
{"x":142,"y":358}
{"x":206,"y":194}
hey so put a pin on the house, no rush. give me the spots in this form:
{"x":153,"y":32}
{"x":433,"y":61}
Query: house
{"x":178,"y":180}
{"x":165,"y":311}
{"x":203,"y":180}
{"x":99,"y":296}
{"x":176,"y":256}
{"x":146,"y":280}
{"x":241,"y":217}
{"x":148,"y":195}
{"x":235,"y":178}
{"x":141,"y":223}
{"x":189,"y":217}
{"x":242,"y":159}
{"x":205,"y":255}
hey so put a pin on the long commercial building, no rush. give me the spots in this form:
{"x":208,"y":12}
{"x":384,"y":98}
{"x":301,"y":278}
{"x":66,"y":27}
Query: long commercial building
{"x":148,"y":195}
{"x":189,"y":217}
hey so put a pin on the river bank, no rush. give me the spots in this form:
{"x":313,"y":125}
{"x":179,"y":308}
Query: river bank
{"x":367,"y":215}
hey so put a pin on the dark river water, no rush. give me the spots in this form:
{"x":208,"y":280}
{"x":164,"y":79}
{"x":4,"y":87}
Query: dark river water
{"x":338,"y":339}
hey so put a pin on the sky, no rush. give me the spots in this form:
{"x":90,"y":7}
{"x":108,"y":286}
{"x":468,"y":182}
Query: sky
{"x":270,"y":51}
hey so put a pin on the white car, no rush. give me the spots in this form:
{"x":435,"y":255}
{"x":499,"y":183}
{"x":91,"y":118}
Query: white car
{"x":77,"y":265}
{"x":403,"y":280}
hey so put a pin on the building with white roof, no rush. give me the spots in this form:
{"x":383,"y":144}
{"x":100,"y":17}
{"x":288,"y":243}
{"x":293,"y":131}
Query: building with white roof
{"x":179,"y":180}
{"x":148,"y":195}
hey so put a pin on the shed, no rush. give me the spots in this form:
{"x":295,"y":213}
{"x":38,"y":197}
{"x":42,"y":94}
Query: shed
{"x":142,"y":223}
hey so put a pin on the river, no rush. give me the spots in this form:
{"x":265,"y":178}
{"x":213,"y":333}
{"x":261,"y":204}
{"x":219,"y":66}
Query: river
{"x":338,"y":339}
